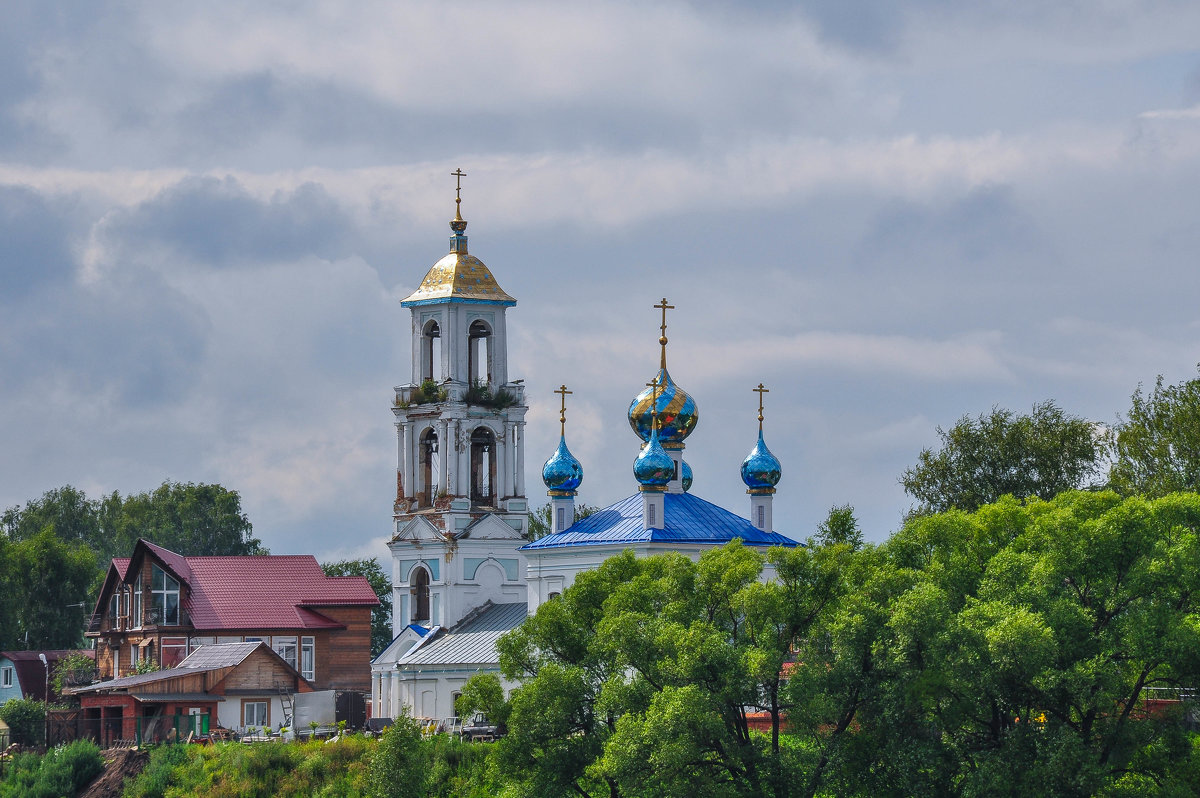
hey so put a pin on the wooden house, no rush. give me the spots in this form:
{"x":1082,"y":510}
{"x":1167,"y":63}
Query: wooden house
{"x":234,"y":685}
{"x":159,"y":606}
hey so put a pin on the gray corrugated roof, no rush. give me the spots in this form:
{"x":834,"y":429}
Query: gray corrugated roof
{"x":472,"y":642}
{"x":205,"y":658}
{"x":220,"y":655}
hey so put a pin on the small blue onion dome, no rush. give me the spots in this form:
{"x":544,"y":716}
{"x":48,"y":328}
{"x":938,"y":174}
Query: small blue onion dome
{"x":687,"y":476}
{"x":760,"y":469}
{"x":676,"y":410}
{"x":653,"y":468}
{"x":562,"y":471}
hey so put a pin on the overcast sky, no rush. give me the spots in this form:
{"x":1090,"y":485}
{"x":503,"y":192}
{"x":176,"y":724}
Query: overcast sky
{"x":891,"y":213}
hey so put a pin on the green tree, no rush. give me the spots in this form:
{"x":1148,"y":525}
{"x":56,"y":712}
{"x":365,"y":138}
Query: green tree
{"x":49,"y":586}
{"x":1156,"y":450}
{"x":399,"y":765}
{"x":484,"y":693}
{"x":840,"y":526}
{"x":540,"y":522}
{"x":190,"y":519}
{"x":26,"y":720}
{"x":381,"y":616}
{"x":1041,"y":454}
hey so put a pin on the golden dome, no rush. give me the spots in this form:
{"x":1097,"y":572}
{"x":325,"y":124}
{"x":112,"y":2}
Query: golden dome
{"x":458,"y":276}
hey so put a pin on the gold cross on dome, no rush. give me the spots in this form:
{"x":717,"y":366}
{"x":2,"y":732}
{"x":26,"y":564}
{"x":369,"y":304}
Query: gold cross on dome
{"x":653,"y":386}
{"x":562,"y":411}
{"x":760,"y":390}
{"x":458,"y":175}
{"x":662,"y":339}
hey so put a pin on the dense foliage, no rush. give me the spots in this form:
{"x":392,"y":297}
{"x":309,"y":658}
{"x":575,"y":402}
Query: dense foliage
{"x":1003,"y":652}
{"x":1156,"y":450}
{"x":381,"y":583}
{"x":61,"y":773}
{"x":401,"y":763}
{"x":1002,"y":453}
{"x":26,"y":720}
{"x":55,"y":551}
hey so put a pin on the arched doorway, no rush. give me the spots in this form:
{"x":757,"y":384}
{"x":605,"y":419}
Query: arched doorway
{"x":483,"y":467}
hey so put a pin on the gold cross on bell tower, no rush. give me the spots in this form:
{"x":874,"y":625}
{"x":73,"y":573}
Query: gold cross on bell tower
{"x":562,"y":411}
{"x":760,"y":390}
{"x":458,"y":175}
{"x":662,"y":338}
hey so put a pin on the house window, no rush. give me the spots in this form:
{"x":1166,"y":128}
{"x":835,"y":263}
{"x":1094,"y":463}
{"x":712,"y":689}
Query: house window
{"x":254,"y":713}
{"x":308,"y":651}
{"x":253,"y":639}
{"x":285,"y":647}
{"x":562,"y":520}
{"x":137,"y":603}
{"x":134,"y":655}
{"x":173,"y":650}
{"x":762,"y":517}
{"x":6,"y":676}
{"x":165,"y":592}
{"x":650,"y":522}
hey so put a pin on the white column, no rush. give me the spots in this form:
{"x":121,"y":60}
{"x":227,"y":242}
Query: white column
{"x":407,"y":462}
{"x":509,"y":460}
{"x":450,"y":458}
{"x":519,"y":445}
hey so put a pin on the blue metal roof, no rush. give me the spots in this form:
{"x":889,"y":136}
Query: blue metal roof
{"x":686,"y":519}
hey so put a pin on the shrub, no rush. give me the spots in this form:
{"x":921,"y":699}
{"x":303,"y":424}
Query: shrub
{"x":399,"y":765}
{"x":61,"y":773}
{"x":26,"y":720}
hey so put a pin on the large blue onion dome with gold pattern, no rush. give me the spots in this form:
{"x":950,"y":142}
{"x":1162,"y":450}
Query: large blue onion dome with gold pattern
{"x":562,"y":471}
{"x":676,"y":410}
{"x":761,"y":470}
{"x":653,"y":468}
{"x":686,"y":476}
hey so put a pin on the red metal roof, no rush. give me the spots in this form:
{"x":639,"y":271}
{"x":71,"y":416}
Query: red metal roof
{"x":268,"y":592}
{"x":31,"y":674}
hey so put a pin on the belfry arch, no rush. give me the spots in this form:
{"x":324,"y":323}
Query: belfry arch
{"x":430,"y":467}
{"x":483,"y":467}
{"x":420,"y":594}
{"x":431,"y":351}
{"x":479,"y":352}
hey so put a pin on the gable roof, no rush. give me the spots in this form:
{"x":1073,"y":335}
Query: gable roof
{"x":204,"y":659}
{"x":687,"y":519}
{"x":472,"y":641}
{"x":31,"y":674}
{"x":250,"y":592}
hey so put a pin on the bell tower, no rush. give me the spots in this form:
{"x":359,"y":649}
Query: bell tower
{"x":460,"y":423}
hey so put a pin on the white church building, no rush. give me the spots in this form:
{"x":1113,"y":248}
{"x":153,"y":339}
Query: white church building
{"x":463,"y":570}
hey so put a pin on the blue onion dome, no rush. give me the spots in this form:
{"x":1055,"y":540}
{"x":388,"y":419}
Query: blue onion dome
{"x":686,"y":477}
{"x":760,"y":469}
{"x":653,"y":468}
{"x":676,"y":410}
{"x":562,"y":471}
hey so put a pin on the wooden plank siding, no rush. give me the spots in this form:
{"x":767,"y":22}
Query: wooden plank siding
{"x":258,"y":673}
{"x":343,"y":656}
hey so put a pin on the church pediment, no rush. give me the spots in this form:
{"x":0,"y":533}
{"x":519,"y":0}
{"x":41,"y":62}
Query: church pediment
{"x":420,"y":529}
{"x":490,"y":527}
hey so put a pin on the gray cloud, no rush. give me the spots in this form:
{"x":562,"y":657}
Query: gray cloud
{"x":36,"y":236}
{"x":216,"y":221}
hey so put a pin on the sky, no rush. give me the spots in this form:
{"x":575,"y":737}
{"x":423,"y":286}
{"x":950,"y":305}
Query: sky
{"x":892,"y":214}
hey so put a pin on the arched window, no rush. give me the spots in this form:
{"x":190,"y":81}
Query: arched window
{"x":420,"y":595}
{"x":431,"y":352}
{"x":479,"y":352}
{"x":483,"y":467}
{"x":430,"y":468}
